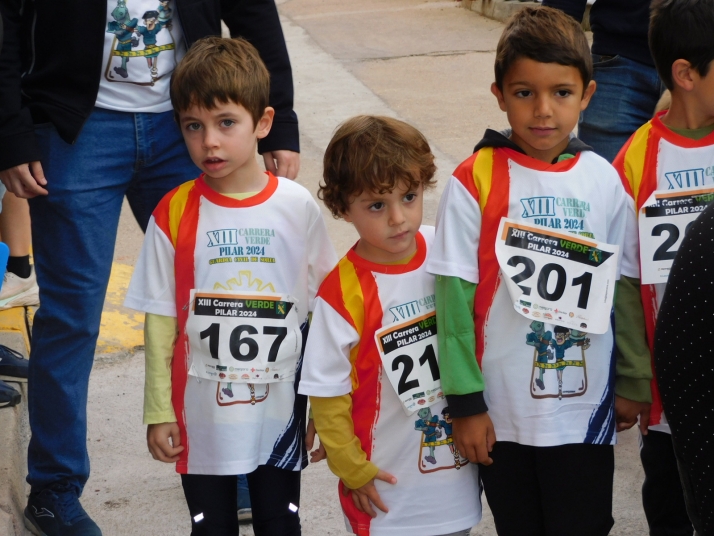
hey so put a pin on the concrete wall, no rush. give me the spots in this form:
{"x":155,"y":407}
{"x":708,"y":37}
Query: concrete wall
{"x":502,"y":9}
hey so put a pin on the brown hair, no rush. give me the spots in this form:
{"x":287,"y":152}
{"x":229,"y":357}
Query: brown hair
{"x":373,"y":153}
{"x":217,"y":69}
{"x":681,"y":29}
{"x":545,"y":35}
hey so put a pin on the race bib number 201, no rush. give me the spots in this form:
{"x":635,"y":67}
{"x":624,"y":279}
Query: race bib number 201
{"x":243,"y":338}
{"x":558,"y":278}
{"x":410,"y":358}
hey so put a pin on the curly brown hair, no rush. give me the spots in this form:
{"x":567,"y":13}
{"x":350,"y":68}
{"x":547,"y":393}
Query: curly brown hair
{"x":373,"y":153}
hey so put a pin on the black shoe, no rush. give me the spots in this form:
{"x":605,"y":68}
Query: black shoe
{"x":13,"y":366}
{"x":56,"y":511}
{"x":121,"y":71}
{"x":8,"y":396}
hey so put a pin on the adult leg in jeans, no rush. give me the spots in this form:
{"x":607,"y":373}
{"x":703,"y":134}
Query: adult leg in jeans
{"x":245,"y":513}
{"x":74,"y":230}
{"x":625,"y":99}
{"x":162,"y":164}
{"x":662,"y":495}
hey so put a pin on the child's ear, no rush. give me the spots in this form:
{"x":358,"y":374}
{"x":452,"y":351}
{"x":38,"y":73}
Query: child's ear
{"x":683,"y":74}
{"x":499,"y":96}
{"x":264,"y":123}
{"x":588,"y":94}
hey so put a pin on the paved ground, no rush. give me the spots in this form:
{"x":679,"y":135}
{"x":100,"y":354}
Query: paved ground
{"x":427,"y":62}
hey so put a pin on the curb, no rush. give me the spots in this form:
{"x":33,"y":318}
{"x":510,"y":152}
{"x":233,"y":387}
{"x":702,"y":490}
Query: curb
{"x":501,"y":10}
{"x":15,"y":426}
{"x":121,"y":335}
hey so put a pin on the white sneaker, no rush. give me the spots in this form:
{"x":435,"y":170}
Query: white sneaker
{"x":16,"y":291}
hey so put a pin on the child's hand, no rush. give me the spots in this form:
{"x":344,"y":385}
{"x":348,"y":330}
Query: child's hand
{"x":367,"y":495}
{"x":474,"y":437}
{"x":627,"y":411}
{"x":157,"y":439}
{"x":316,"y":455}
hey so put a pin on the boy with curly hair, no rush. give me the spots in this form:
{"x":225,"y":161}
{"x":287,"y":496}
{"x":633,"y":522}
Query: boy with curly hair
{"x":371,"y":362}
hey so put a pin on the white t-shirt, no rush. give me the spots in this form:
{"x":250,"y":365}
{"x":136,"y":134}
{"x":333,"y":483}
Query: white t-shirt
{"x":143,"y":43}
{"x":539,"y":391}
{"x":437,"y":490}
{"x":657,"y":158}
{"x":275,"y":241}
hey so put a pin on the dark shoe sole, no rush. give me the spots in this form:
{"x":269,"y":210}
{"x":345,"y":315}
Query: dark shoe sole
{"x":14,"y":401}
{"x":32,"y":526}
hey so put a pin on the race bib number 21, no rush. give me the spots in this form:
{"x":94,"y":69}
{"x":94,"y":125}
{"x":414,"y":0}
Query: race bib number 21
{"x":410,"y":358}
{"x":556,"y":277}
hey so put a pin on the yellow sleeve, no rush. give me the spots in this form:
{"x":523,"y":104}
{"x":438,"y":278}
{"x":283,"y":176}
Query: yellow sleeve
{"x":159,"y":337}
{"x":345,"y":457}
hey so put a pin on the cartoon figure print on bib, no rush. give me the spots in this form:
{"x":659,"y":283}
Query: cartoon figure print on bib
{"x":437,"y":450}
{"x":549,"y":354}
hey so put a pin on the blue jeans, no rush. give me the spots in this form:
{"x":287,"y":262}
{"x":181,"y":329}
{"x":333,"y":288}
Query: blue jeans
{"x":74,"y":229}
{"x":243,"y":492}
{"x":625,"y":99}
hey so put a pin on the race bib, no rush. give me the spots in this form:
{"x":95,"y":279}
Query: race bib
{"x":243,"y":338}
{"x":556,"y":277}
{"x":663,"y":221}
{"x":411,"y":360}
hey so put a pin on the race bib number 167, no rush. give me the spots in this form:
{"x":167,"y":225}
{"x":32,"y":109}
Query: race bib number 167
{"x":558,"y":278}
{"x":243,"y":338}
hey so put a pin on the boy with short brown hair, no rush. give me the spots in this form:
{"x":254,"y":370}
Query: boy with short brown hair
{"x":371,"y":361}
{"x":227,"y":276}
{"x":538,"y":223}
{"x":667,"y":167}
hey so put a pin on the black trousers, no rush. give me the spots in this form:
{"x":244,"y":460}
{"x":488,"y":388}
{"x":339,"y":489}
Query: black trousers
{"x":662,"y":496}
{"x":696,"y":487}
{"x":212,"y":501}
{"x":550,"y":491}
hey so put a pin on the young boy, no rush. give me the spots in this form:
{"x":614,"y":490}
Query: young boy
{"x":674,"y":150}
{"x":536,"y":220}
{"x":371,"y":365}
{"x":227,"y":276}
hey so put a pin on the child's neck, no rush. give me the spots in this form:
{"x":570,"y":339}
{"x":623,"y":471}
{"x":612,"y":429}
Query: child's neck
{"x":548,"y":156}
{"x":685,"y":112}
{"x":249,"y":178}
{"x":380,"y":256}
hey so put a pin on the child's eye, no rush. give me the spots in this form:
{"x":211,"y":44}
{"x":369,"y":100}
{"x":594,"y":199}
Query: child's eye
{"x":411,"y":196}
{"x":374,"y":207}
{"x":227,"y":122}
{"x":523,"y":93}
{"x":563,"y":92}
{"x":193,"y":126}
